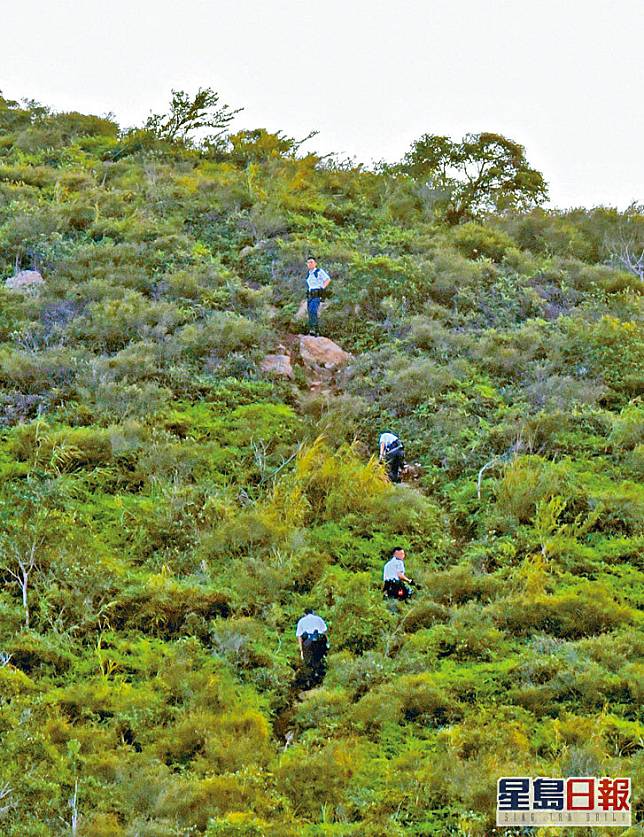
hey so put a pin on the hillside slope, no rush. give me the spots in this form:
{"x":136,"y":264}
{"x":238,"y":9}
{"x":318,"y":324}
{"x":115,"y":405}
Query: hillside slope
{"x":168,"y":509}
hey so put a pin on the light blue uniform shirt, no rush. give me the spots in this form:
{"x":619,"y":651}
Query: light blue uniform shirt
{"x":314,"y":282}
{"x":392,"y":568}
{"x":309,"y":623}
{"x":387,"y":439}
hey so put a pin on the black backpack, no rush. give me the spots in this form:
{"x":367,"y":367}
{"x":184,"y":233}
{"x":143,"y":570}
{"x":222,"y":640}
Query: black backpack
{"x":394,"y":446}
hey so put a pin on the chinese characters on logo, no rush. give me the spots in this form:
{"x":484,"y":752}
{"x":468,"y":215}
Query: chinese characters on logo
{"x":574,"y":801}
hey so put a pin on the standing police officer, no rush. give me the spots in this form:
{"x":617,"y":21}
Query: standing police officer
{"x":317,"y":281}
{"x":394,"y":577}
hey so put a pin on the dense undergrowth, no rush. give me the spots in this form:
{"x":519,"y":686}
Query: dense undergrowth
{"x":168,"y":510}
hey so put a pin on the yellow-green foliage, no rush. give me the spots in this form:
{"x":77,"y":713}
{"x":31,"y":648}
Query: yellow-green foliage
{"x":582,"y":611}
{"x":216,"y":742}
{"x":168,"y":509}
{"x":163,"y":604}
{"x":319,"y":777}
{"x":62,"y":450}
{"x":525,"y":482}
{"x":338,"y":483}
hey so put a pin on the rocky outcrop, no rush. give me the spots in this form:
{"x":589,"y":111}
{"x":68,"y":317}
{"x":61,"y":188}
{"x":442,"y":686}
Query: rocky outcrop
{"x":27,"y":281}
{"x":320,"y":352}
{"x":279,"y":365}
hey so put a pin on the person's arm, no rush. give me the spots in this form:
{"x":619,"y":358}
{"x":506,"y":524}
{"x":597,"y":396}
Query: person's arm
{"x":299,"y":642}
{"x":326,"y":281}
{"x":403,"y":577}
{"x":382,"y":451}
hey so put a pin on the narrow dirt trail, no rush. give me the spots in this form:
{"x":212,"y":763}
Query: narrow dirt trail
{"x":321,"y":360}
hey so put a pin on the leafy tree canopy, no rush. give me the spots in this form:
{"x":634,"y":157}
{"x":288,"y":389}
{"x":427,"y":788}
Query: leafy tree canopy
{"x":187,"y":115}
{"x":480,"y":173}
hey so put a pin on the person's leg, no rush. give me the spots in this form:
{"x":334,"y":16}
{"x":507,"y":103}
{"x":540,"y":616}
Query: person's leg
{"x":309,"y":308}
{"x":397,"y":462}
{"x":313,"y":306}
{"x":311,"y":665}
{"x":390,"y":460}
{"x":316,"y":315}
{"x":322,"y":667}
{"x":316,"y":676}
{"x":308,"y":666}
{"x":319,"y":662}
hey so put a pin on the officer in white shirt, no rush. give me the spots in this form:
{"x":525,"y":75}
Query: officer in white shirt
{"x":394,"y":577}
{"x":392,"y":453}
{"x":317,"y":281}
{"x":311,"y":633}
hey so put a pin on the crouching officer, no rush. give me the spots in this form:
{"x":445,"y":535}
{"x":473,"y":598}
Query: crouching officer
{"x":394,"y":577}
{"x":311,"y":635}
{"x":392,"y":453}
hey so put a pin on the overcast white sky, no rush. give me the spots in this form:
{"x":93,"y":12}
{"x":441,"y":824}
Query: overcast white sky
{"x":564,"y":78}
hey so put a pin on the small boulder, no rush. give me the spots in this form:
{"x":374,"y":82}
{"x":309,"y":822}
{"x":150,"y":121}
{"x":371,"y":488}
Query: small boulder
{"x":412,"y":472}
{"x":321,"y":352}
{"x":26,"y":281}
{"x":279,"y":365}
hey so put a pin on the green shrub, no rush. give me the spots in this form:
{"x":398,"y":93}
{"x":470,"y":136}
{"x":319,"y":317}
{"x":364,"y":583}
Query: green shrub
{"x":424,"y":614}
{"x":359,"y":674}
{"x":161,"y":605}
{"x":218,"y":743}
{"x":586,"y":610}
{"x":430,"y":334}
{"x":412,"y":382}
{"x":358,"y":615}
{"x":193,"y":802}
{"x":110,"y":325}
{"x":38,"y":372}
{"x":526,"y":481}
{"x":469,"y":634}
{"x":628,"y":428}
{"x":31,"y":652}
{"x":462,"y":583}
{"x":62,"y":450}
{"x":424,"y":701}
{"x":313,"y":778}
{"x":322,"y":709}
{"x":452,"y":272}
{"x":114,"y":401}
{"x":476,"y":241}
{"x":240,"y":824}
{"x":222,"y":333}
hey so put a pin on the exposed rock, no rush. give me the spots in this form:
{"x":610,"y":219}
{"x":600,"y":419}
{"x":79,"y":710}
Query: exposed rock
{"x":321,"y":352}
{"x":412,"y":472}
{"x":262,"y":244}
{"x":277,"y":365}
{"x":27,"y":281}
